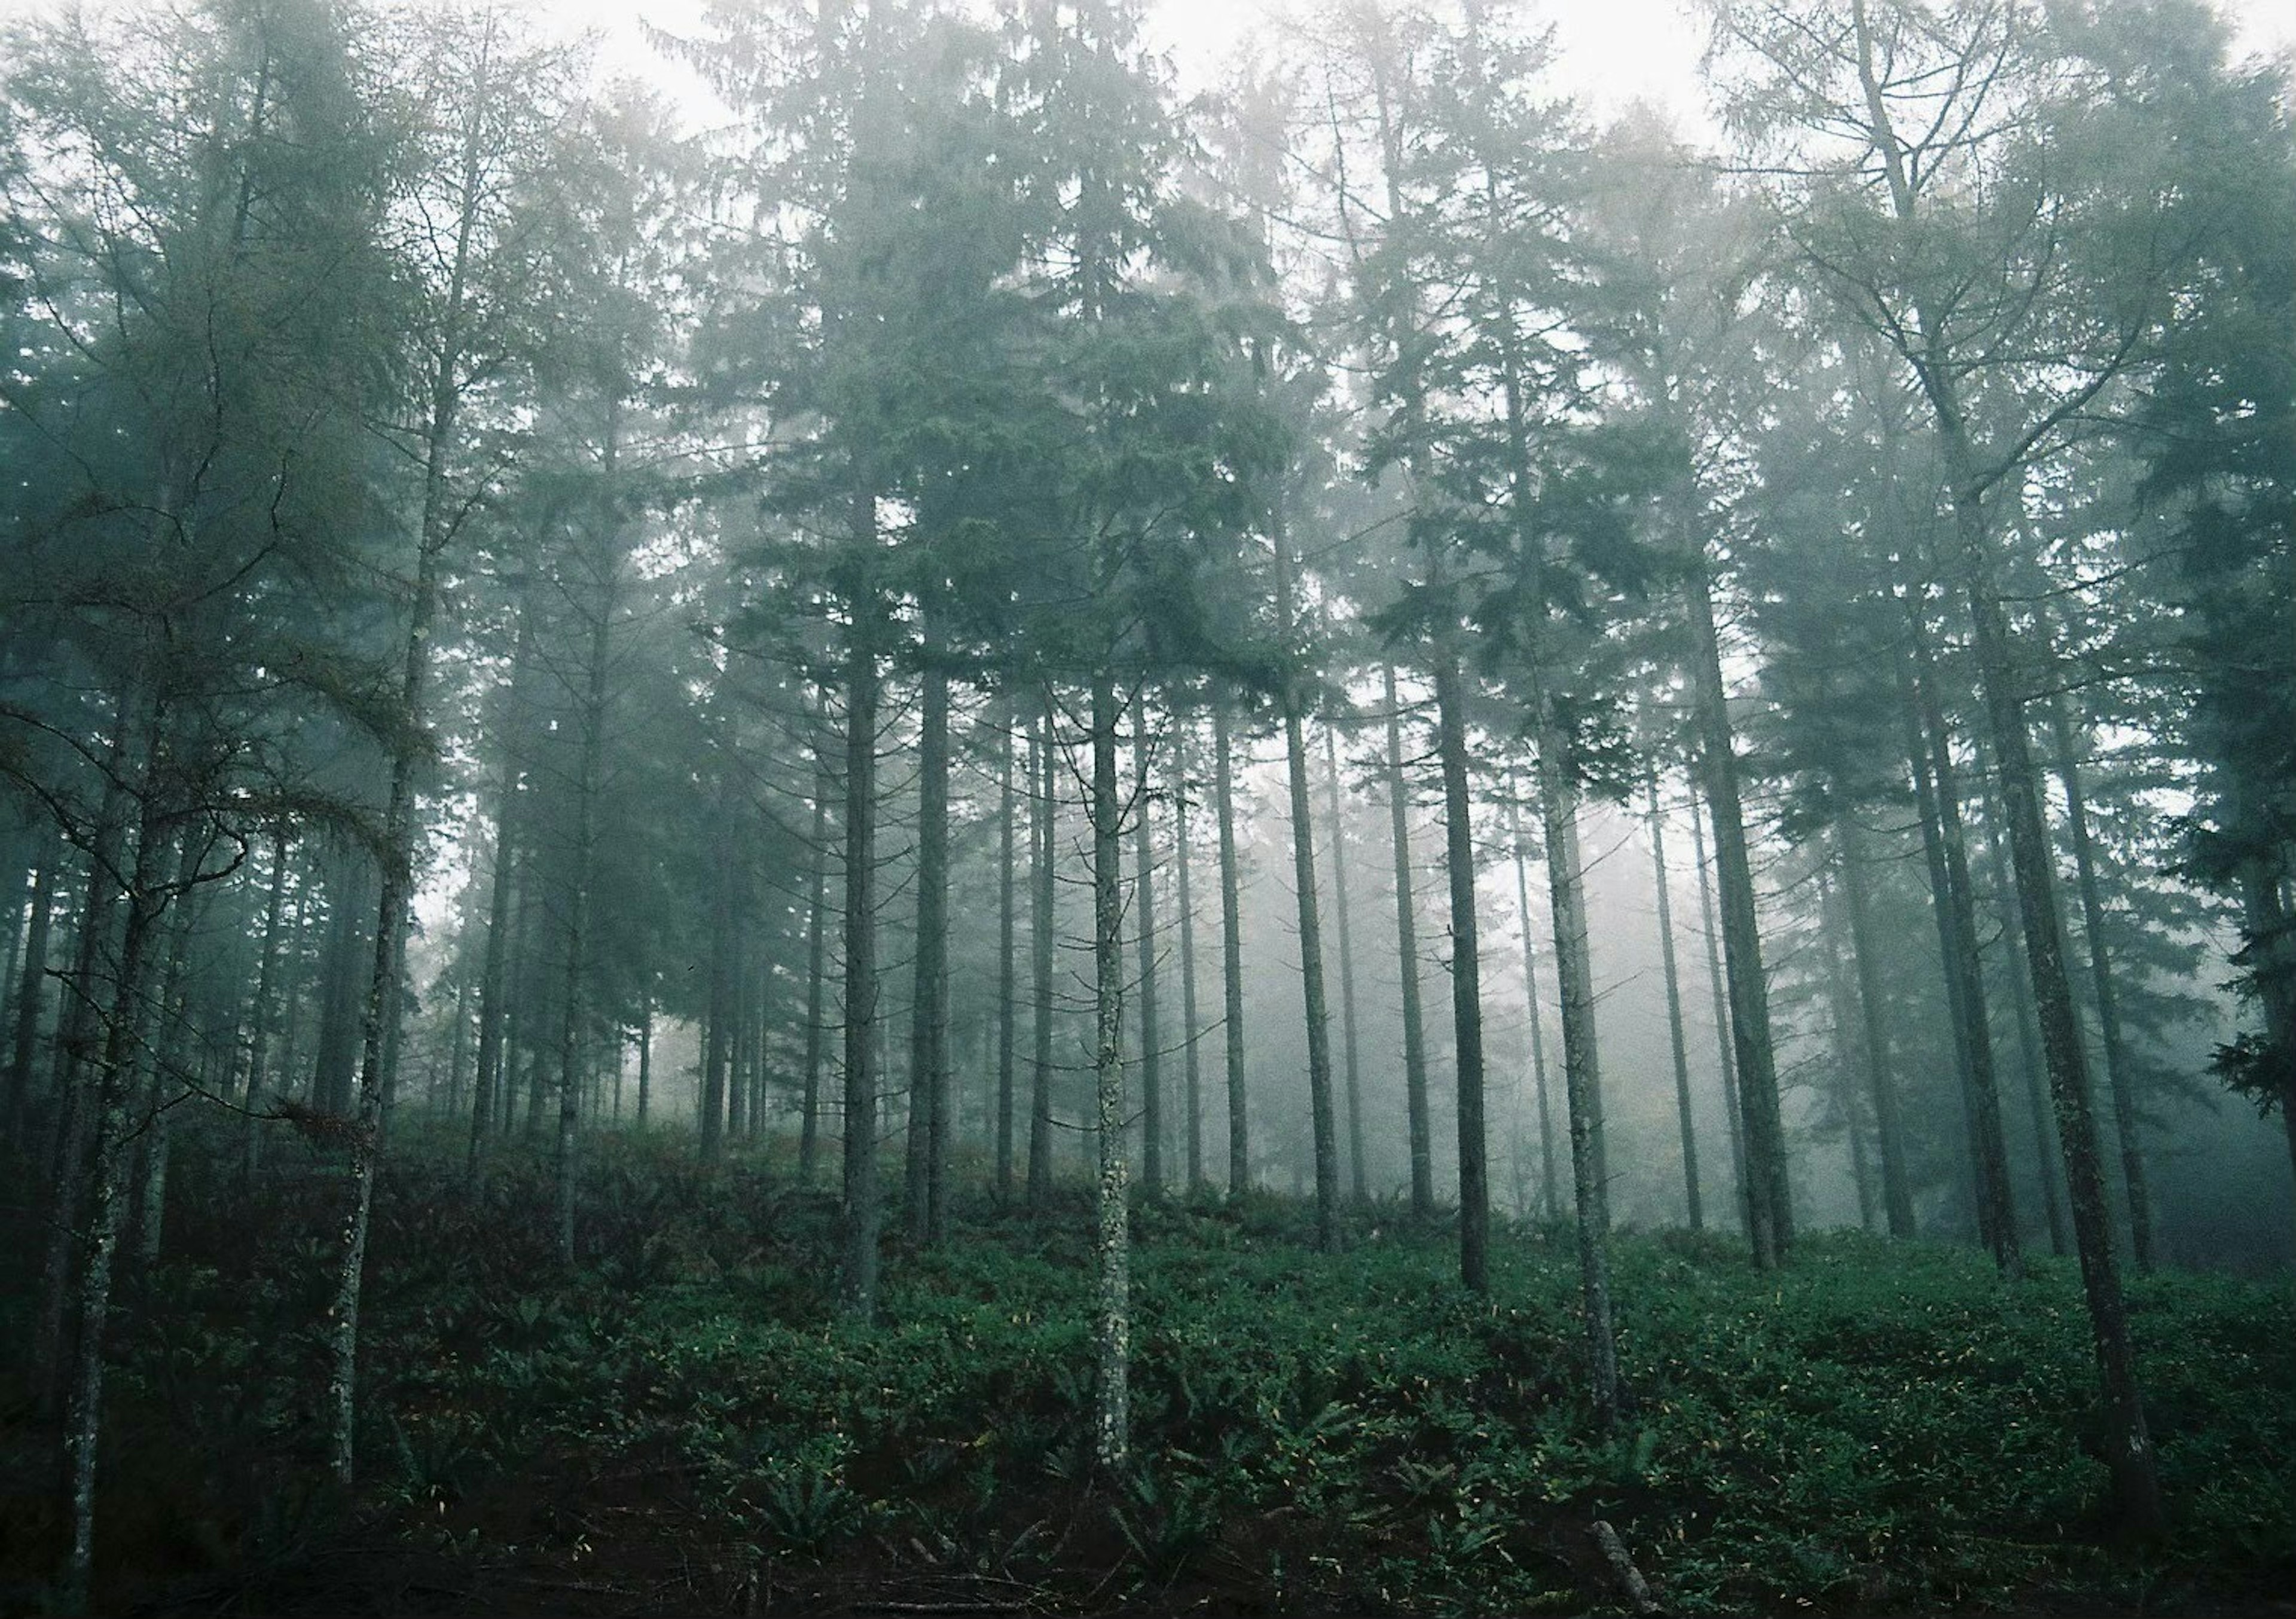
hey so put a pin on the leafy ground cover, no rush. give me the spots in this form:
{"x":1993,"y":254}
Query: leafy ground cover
{"x":685,"y":1425}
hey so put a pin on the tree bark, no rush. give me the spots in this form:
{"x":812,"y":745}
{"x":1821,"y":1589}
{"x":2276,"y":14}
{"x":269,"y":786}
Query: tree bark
{"x":1674,"y":1009}
{"x":1359,"y":1180}
{"x":1997,"y":1209}
{"x":1040,"y":948}
{"x":1007,"y":962}
{"x":575,"y":1010}
{"x":1111,"y":1243}
{"x":1889,"y":1127}
{"x":927,"y":1173}
{"x":1549,"y":1191}
{"x":1417,"y":1127}
{"x":124,"y":1037}
{"x":1239,"y":1115}
{"x":1466,"y":973}
{"x":262,"y":1013}
{"x":1558,"y":800}
{"x":2118,"y":1084}
{"x":2027,"y":1026}
{"x":1769,"y":1203}
{"x":1183,"y":859}
{"x":1849,"y":1055}
{"x":858,"y":1272}
{"x":1725,"y":1061}
{"x":31,"y":986}
{"x":1143,"y":901}
{"x":816,"y":982}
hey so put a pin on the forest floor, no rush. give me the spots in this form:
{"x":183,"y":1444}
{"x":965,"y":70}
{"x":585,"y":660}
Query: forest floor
{"x":684,"y":1424}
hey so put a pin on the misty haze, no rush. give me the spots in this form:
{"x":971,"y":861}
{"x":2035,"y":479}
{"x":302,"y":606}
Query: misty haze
{"x":852,"y":806}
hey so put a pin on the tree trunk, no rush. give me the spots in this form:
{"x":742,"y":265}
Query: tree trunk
{"x":1849,"y":1056}
{"x":645,"y":1053}
{"x":1183,"y":859}
{"x":1725,"y":1061}
{"x":816,"y":982}
{"x":1152,"y":1078}
{"x":77,"y":1049}
{"x":1111,"y":1244}
{"x":1549,"y":1192}
{"x":1239,"y":1115}
{"x":1558,"y":800}
{"x":2129,"y":1446}
{"x":2028,"y":1025}
{"x":1040,"y":962}
{"x":575,"y":1011}
{"x":1322,"y":1115}
{"x":31,"y":986}
{"x":1897,"y":1189}
{"x":1359,"y":1180}
{"x":2118,"y":1084}
{"x":1418,"y":1129}
{"x":263,"y":1012}
{"x":859,"y":1269}
{"x":1466,"y":973}
{"x":1996,"y":1210}
{"x":1674,"y":1009}
{"x":718,"y":1037}
{"x":163,"y":1053}
{"x":1769,"y":1204}
{"x":927,"y":1174}
{"x":1007,"y":962}
{"x":124,"y":1037}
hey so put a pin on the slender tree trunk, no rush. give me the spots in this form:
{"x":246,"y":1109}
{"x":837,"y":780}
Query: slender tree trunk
{"x":717,"y":1038}
{"x":1008,"y":960}
{"x":863,"y":678}
{"x":492,"y":981}
{"x":1466,"y":973}
{"x":114,"y":1096}
{"x":576,"y":1010}
{"x":2129,"y":1448}
{"x":31,"y":993}
{"x":1848,"y":1057}
{"x":737,"y":1017}
{"x":1558,"y":799}
{"x":1183,"y":859}
{"x":163,"y":1055}
{"x":1769,"y":1203}
{"x":645,"y":1053}
{"x":1040,"y":962}
{"x":78,"y":1050}
{"x":2027,"y":1026}
{"x":2119,"y":1083}
{"x":1239,"y":1115}
{"x":1996,"y":1207}
{"x":816,"y":982}
{"x":1549,"y":1192}
{"x":1359,"y":1179}
{"x":264,"y":1011}
{"x":1674,"y":1009}
{"x":1152,"y":1077}
{"x":1417,"y":1127}
{"x":1725,"y":1058}
{"x":1897,"y":1188}
{"x":1111,"y":1241}
{"x":929,"y":1100}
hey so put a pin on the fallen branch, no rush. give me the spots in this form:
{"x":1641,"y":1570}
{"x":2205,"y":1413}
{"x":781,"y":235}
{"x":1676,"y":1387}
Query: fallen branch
{"x":1630,"y":1578}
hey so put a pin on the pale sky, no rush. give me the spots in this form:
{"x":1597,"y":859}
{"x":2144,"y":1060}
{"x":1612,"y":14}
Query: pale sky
{"x":1611,"y":52}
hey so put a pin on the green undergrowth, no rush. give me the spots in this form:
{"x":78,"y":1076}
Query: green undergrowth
{"x":687,"y":1423}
